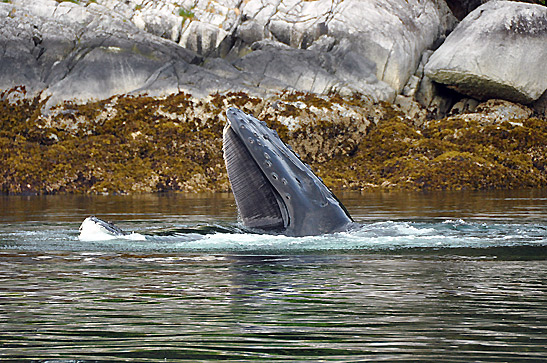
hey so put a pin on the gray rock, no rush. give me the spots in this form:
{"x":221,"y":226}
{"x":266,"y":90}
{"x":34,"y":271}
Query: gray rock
{"x":68,"y":51}
{"x":202,"y":38}
{"x":427,"y":93}
{"x":412,"y":109}
{"x":496,"y":111}
{"x":497,"y":51}
{"x":95,"y":49}
{"x":465,"y":105}
{"x":159,"y":18}
{"x":389,"y":35}
{"x":501,"y":110}
{"x":314,"y":71}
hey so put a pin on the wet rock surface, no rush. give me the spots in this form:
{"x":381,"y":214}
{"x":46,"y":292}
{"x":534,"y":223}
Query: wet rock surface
{"x":136,"y":144}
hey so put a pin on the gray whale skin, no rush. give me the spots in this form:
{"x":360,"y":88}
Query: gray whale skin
{"x":275,"y":191}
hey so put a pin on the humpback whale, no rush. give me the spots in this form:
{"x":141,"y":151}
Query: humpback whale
{"x":275,"y":192}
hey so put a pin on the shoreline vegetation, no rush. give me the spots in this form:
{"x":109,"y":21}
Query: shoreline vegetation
{"x":140,"y":144}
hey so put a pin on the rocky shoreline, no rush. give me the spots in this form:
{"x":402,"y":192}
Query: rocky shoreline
{"x":139,"y":144}
{"x":117,"y":97}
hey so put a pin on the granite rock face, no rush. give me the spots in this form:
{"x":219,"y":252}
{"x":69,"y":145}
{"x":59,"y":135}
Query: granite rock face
{"x":370,"y":38}
{"x":95,"y":49}
{"x":75,"y":52}
{"x":497,"y":51}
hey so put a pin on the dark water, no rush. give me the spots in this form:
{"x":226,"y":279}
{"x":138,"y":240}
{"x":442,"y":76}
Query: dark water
{"x":428,"y":277}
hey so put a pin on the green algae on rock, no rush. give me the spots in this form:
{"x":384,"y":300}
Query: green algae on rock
{"x":134,"y":144}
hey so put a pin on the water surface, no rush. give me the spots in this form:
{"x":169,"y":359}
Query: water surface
{"x":439,"y":276}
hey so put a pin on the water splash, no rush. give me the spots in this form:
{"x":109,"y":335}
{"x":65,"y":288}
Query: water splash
{"x":387,"y":236}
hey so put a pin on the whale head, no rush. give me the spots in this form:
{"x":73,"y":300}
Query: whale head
{"x":275,"y":191}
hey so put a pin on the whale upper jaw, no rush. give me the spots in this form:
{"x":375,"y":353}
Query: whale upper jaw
{"x":274,"y":190}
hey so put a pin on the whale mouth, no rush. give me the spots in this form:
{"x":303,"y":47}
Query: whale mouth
{"x":275,"y":191}
{"x":260,"y":206}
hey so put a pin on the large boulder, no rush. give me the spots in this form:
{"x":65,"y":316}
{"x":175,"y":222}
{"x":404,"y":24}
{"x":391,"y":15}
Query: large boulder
{"x":497,"y":51}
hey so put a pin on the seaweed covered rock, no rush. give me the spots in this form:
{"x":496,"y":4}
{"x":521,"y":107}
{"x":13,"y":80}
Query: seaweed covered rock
{"x":135,"y":144}
{"x":497,"y":51}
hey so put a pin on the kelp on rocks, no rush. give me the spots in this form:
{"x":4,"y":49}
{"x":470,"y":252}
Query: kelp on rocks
{"x":134,"y":144}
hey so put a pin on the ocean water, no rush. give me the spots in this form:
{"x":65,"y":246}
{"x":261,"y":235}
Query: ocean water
{"x":452,"y":276}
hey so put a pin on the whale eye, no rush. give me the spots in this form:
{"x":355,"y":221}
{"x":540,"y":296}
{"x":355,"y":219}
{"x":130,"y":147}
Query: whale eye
{"x":274,"y":175}
{"x":250,"y":140}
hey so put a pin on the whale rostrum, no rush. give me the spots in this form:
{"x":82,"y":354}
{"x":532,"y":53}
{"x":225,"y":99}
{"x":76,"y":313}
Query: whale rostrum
{"x":275,"y":191}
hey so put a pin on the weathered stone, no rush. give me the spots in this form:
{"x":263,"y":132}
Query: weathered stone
{"x":93,"y":49}
{"x":68,"y":51}
{"x":501,"y":110}
{"x":202,"y":38}
{"x":412,"y":109}
{"x":314,"y":71}
{"x":497,"y":51}
{"x":465,"y":105}
{"x":427,"y":93}
{"x":389,"y":35}
{"x":495,"y":111}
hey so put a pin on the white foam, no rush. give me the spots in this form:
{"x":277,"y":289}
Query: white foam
{"x":455,"y":221}
{"x":91,"y":231}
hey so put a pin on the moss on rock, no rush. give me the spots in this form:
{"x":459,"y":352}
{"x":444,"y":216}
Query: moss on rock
{"x":133,"y":144}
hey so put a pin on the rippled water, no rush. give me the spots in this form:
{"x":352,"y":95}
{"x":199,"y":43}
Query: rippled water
{"x":442,"y":276}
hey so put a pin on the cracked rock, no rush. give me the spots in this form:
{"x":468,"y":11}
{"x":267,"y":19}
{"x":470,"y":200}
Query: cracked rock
{"x":94,"y":49}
